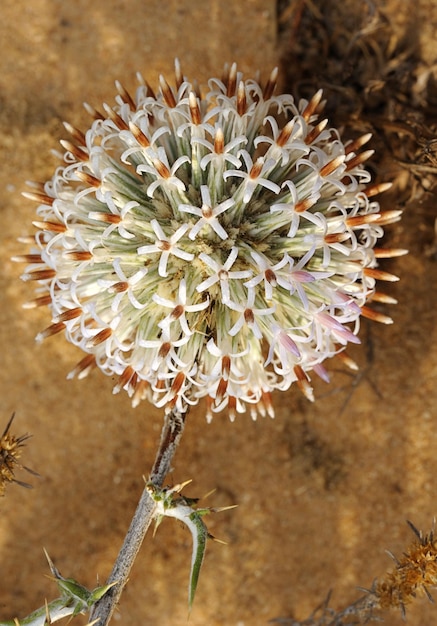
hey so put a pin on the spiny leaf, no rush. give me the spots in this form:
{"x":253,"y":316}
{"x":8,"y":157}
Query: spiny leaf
{"x":75,"y":599}
{"x":181,"y":508}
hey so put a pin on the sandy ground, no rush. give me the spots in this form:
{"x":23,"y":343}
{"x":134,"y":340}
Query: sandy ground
{"x":323,"y":489}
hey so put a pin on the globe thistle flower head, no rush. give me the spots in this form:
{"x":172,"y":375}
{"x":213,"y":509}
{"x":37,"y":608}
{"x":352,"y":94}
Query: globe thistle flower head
{"x":216,"y":246}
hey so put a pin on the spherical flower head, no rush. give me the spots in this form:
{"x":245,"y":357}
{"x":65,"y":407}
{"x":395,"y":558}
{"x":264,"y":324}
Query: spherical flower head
{"x":217,"y":245}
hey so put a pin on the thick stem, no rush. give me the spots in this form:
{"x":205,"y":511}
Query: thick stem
{"x":143,"y":516}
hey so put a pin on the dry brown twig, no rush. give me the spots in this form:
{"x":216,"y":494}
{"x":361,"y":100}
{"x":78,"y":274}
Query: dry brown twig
{"x":414,"y":574}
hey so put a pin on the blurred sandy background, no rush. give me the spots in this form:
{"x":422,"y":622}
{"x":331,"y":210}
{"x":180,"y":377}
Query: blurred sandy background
{"x":323,"y":490}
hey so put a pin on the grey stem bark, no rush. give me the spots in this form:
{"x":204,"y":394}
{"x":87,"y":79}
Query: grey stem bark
{"x":143,"y":516}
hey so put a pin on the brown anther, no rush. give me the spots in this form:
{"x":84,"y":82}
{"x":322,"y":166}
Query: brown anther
{"x":45,"y":274}
{"x":177,"y":311}
{"x":232,"y":406}
{"x":179,"y":77}
{"x":267,"y":401}
{"x":108,"y":218}
{"x":165,"y":246}
{"x":347,"y":360}
{"x":225,"y":74}
{"x":249,"y":317}
{"x":270,"y":276}
{"x":87,"y":178}
{"x":331,"y":166}
{"x":54,"y":227}
{"x":219,"y":141}
{"x":93,"y":112}
{"x":141,"y":391}
{"x":78,"y":255}
{"x":336,"y":238}
{"x":315,"y":132}
{"x":78,"y":153}
{"x":209,"y":406}
{"x":374,"y":190}
{"x":161,"y":168}
{"x":42,"y":198}
{"x":303,"y":382}
{"x":285,"y":133}
{"x":51,"y":330}
{"x":207,"y":211}
{"x":359,"y":220}
{"x":380,"y":275}
{"x":116,"y":118}
{"x":28,"y":240}
{"x":77,"y":134}
{"x":27,"y":258}
{"x":358,"y":143}
{"x":312,"y":105}
{"x":125,"y":96}
{"x":270,"y":84}
{"x":196,"y":116}
{"x":36,"y":185}
{"x":389,"y":217}
{"x":377,"y":296}
{"x":171,"y":404}
{"x":231,"y":82}
{"x":300,"y":374}
{"x":388,"y":253}
{"x":37,"y":302}
{"x":149,"y":91}
{"x":304,"y":205}
{"x":167,"y":93}
{"x":221,"y":390}
{"x":223,"y":274}
{"x":101,"y":337}
{"x":256,"y":168}
{"x":125,"y":377}
{"x":139,"y":135}
{"x":119,"y":287}
{"x":359,"y":159}
{"x":226,"y":365}
{"x":375,"y":316}
{"x":196,"y":88}
{"x":133,"y":383}
{"x":84,"y":366}
{"x":178,"y":382}
{"x":241,"y":99}
{"x":164,"y":349}
{"x":71,"y":314}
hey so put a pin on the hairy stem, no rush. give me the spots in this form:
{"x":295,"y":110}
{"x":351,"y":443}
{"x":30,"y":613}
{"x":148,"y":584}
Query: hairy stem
{"x":143,"y":516}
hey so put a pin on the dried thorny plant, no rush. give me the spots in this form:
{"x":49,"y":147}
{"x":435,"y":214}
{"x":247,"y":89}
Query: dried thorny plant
{"x":376,"y":79}
{"x":414,"y":574}
{"x":10,"y":452}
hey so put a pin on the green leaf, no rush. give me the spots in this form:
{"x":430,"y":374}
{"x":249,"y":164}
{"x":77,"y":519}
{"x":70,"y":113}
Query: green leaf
{"x":181,"y":508}
{"x":75,"y":599}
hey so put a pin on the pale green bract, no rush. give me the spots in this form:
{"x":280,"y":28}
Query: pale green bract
{"x":75,"y":599}
{"x":217,"y":246}
{"x":170,"y":504}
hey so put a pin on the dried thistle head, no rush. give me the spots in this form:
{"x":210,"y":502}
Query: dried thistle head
{"x":216,"y":246}
{"x":415,"y":572}
{"x":10,"y":452}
